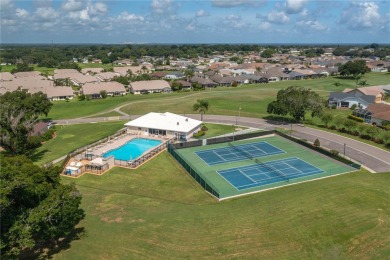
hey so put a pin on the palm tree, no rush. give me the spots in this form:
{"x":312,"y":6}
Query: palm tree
{"x":201,"y":106}
{"x":144,"y":69}
{"x":189,"y":74}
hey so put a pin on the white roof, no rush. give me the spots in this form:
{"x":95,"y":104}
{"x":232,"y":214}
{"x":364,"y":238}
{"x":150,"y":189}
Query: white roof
{"x":165,"y":121}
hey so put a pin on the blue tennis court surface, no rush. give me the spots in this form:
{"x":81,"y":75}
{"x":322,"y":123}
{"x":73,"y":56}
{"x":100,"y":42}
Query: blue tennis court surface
{"x":269,"y":172}
{"x":237,"y":153}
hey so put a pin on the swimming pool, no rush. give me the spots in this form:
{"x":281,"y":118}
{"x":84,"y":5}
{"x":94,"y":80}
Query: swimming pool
{"x":132,"y":149}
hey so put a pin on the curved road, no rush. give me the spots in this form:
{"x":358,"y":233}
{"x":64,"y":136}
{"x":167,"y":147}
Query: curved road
{"x":373,"y":158}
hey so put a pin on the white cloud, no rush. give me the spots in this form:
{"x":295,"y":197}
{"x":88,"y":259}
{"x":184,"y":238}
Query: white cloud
{"x":21,"y":13}
{"x":46,"y":14}
{"x":265,"y":26}
{"x":72,"y":5}
{"x":125,"y":16}
{"x":101,"y":7}
{"x":161,"y":6}
{"x":361,"y":15}
{"x":295,"y":6}
{"x":312,"y":26}
{"x":278,"y":17}
{"x":232,"y":3}
{"x":202,"y":13}
{"x":6,"y":4}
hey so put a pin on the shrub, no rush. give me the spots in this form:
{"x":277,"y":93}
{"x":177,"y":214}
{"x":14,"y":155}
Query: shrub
{"x":199,"y":134}
{"x":204,"y":128}
{"x":48,"y":135}
{"x":81,"y":97}
{"x":334,"y":152}
{"x":356,"y":118}
{"x":317,"y":143}
{"x":353,"y":107}
{"x":333,"y":106}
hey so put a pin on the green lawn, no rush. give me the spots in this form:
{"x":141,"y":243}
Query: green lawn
{"x":217,"y":130}
{"x":71,"y":137}
{"x":253,"y":99}
{"x":159,"y":212}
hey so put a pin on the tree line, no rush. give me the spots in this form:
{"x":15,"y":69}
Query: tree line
{"x":53,"y":55}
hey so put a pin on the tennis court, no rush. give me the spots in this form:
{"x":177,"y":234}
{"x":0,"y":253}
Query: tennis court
{"x":269,"y":172}
{"x":237,"y":153}
{"x":230,"y":169}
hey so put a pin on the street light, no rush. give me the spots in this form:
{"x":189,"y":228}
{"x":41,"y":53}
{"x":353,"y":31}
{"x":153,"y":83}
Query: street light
{"x":344,"y":148}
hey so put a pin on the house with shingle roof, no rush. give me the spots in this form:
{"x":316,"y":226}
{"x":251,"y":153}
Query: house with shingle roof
{"x":374,"y":113}
{"x":6,"y":76}
{"x":59,"y":93}
{"x":112,"y":88}
{"x":361,"y":97}
{"x":149,"y":86}
{"x":206,"y":83}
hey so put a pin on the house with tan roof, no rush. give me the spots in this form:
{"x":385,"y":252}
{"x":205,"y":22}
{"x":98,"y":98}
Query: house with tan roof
{"x":29,"y":74}
{"x":59,"y":93}
{"x":6,"y":76}
{"x":106,"y":76}
{"x":149,"y":86}
{"x":374,"y":113}
{"x":91,"y":70}
{"x":113,"y":88}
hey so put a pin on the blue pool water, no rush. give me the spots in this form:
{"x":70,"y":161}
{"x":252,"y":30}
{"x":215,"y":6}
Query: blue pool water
{"x":132,"y":149}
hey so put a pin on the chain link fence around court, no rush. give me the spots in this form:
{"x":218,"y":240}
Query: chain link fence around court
{"x":228,"y":139}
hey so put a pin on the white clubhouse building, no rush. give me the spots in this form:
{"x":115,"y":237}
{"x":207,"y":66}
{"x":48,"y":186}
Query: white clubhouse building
{"x":164,"y":125}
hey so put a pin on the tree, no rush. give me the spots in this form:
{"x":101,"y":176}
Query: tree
{"x":355,"y":68}
{"x":201,"y":106}
{"x":267,"y":53}
{"x":326,"y":119}
{"x":19,"y":112}
{"x":35,"y":207}
{"x":22,"y":67}
{"x":189,"y":74}
{"x":103,"y":93}
{"x":296,"y":101}
{"x":176,"y":86}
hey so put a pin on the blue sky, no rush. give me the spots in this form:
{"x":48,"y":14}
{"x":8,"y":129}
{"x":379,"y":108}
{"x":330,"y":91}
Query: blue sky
{"x":206,"y":21}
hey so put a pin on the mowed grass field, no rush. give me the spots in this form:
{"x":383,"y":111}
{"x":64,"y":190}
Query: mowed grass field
{"x":71,"y":137}
{"x":253,"y":99}
{"x":159,"y":212}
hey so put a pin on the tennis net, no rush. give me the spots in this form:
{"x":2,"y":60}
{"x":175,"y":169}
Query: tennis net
{"x":249,"y":156}
{"x":242,"y":151}
{"x":269,"y":167}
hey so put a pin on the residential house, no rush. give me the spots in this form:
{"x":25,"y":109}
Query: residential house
{"x":185,"y":84}
{"x":112,"y":88}
{"x":206,"y":83}
{"x":276,"y":74}
{"x":149,"y":86}
{"x":106,"y":76}
{"x":6,"y":76}
{"x":361,"y":97}
{"x":374,"y":113}
{"x":91,"y":71}
{"x":174,"y":75}
{"x":59,"y":93}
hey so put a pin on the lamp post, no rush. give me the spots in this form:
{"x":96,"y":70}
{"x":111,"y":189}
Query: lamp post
{"x":344,"y":148}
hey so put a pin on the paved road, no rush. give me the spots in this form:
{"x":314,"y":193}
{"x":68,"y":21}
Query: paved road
{"x":373,"y":158}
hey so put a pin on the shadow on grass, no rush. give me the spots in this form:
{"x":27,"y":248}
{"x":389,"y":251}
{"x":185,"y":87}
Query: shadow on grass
{"x":37,"y":155}
{"x":48,"y":250}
